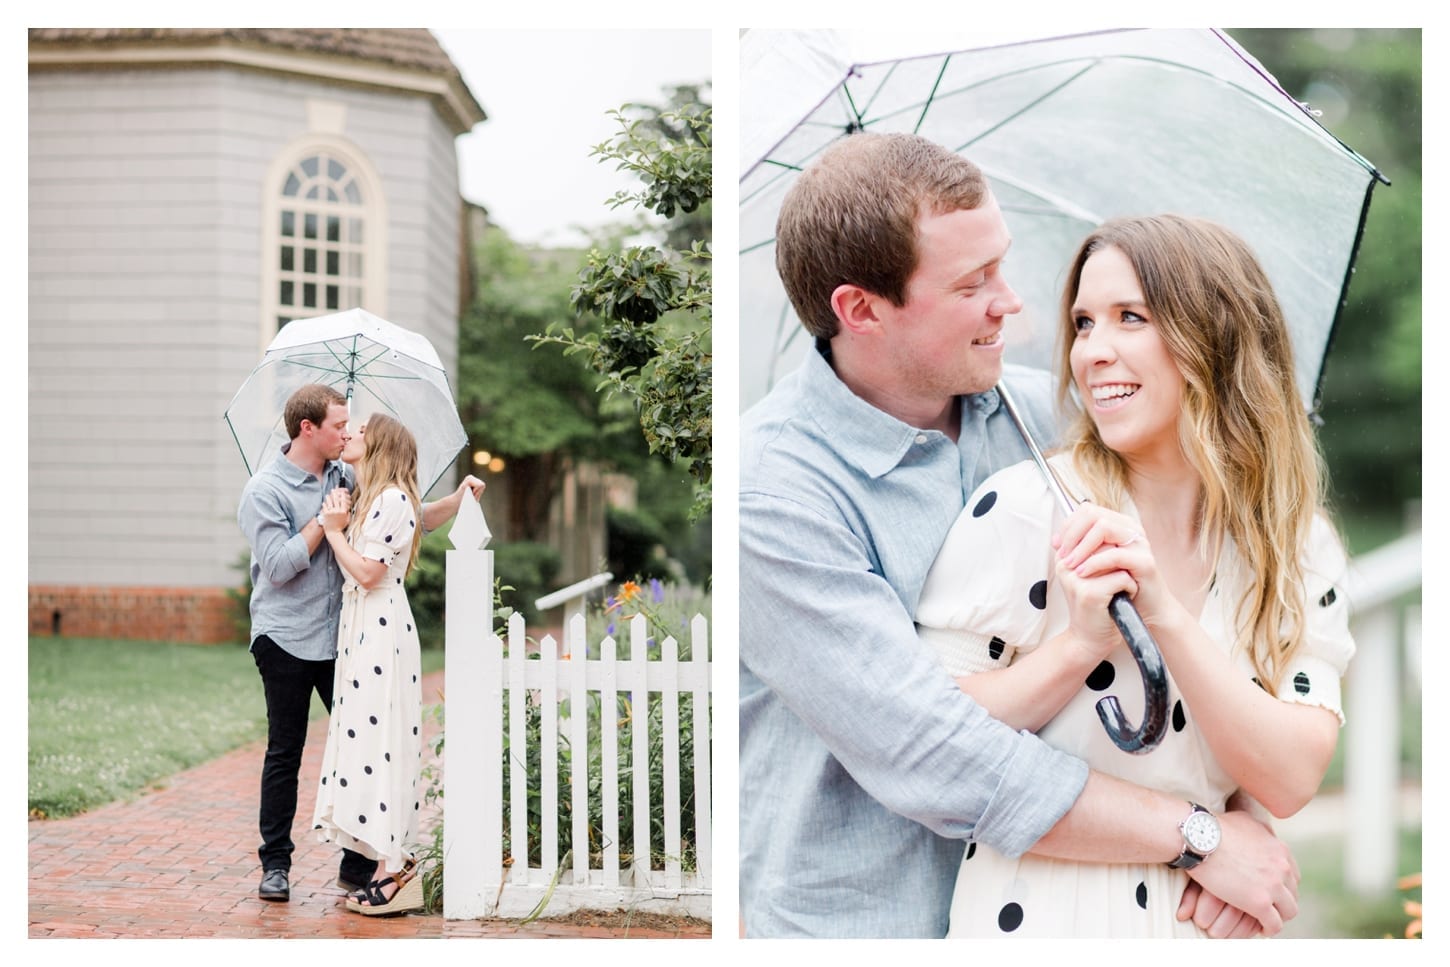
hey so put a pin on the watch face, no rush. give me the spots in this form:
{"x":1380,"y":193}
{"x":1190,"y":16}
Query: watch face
{"x":1202,"y":832}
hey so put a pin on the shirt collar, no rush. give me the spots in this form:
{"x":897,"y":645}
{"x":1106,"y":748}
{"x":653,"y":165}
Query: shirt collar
{"x":870,"y":438}
{"x":293,"y":474}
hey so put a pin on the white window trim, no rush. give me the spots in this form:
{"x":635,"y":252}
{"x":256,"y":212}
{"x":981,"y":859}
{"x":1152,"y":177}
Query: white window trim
{"x":374,"y":208}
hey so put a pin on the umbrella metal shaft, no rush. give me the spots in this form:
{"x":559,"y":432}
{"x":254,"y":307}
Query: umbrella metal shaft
{"x":1064,"y":500}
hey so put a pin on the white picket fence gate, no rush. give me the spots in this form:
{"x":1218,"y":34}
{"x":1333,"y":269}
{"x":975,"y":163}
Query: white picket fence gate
{"x":479,"y":880}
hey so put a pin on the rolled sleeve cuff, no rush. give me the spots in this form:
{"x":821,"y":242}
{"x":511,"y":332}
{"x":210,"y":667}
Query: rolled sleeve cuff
{"x":1038,"y":787}
{"x":295,"y":551}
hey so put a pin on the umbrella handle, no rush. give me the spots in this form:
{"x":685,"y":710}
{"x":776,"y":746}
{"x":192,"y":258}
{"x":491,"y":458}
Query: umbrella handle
{"x":1130,"y":625}
{"x":1155,"y":684}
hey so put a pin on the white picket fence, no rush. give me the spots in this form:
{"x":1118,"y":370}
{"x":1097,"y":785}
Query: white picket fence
{"x":488,"y":693}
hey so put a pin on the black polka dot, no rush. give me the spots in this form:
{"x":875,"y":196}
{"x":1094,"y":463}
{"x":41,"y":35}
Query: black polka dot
{"x":985,"y":504}
{"x":387,"y":757}
{"x":355,"y":683}
{"x":1301,"y":683}
{"x":411,"y":524}
{"x":1010,"y":918}
{"x":382,"y":620}
{"x":377,"y":514}
{"x":409,"y":626}
{"x":361,"y":818}
{"x":324,"y":780}
{"x":383,"y":807}
{"x":351,"y":734}
{"x":971,"y":850}
{"x":373,"y":719}
{"x":377,"y":669}
{"x":415,"y":730}
{"x":994,"y":648}
{"x":1143,"y":895}
{"x":1102,"y":676}
{"x":342,"y":782}
{"x":1328,"y":598}
{"x":1038,"y":595}
{"x":1179,"y":719}
{"x":388,"y":539}
{"x":403,"y":497}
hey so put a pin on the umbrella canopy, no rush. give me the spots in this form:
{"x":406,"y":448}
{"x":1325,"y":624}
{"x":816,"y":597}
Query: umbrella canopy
{"x":1070,"y":131}
{"x":378,"y":366}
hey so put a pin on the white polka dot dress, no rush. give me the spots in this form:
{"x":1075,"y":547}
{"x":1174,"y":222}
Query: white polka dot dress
{"x":367,"y":796}
{"x":990,"y":596}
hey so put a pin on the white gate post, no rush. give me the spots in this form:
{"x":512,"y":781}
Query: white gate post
{"x":1372,"y":754}
{"x":473,"y":697}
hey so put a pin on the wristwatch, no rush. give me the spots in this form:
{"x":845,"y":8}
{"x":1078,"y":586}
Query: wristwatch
{"x":1201,"y":836}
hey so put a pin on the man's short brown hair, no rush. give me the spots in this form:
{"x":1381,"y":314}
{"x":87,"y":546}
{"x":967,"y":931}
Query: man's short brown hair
{"x":310,"y":403}
{"x":850,"y":218}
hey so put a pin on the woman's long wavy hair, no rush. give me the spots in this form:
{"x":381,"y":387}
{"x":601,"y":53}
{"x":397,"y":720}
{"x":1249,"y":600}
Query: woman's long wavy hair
{"x":1243,"y":426}
{"x":390,"y":459}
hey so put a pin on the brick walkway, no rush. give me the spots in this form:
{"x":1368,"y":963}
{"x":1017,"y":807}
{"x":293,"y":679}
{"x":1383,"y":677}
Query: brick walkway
{"x":181,"y":861}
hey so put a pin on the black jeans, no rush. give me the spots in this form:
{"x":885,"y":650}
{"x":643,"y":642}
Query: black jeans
{"x":288,"y":683}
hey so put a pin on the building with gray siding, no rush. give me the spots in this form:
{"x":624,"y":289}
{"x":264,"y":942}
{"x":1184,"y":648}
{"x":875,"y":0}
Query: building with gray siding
{"x":189,"y":191}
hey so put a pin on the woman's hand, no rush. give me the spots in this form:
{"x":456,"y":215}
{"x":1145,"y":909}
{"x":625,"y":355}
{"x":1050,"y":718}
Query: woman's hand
{"x":335,"y":510}
{"x":1095,"y":542}
{"x":1093,"y":628}
{"x":470,"y":485}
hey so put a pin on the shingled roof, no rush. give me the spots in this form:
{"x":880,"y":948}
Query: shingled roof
{"x":411,"y":50}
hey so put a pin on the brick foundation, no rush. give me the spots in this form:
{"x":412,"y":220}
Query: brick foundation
{"x":201,"y":615}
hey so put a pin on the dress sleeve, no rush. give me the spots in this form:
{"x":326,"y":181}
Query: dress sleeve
{"x":985,"y":598}
{"x":1313,"y":676}
{"x":389,"y":527}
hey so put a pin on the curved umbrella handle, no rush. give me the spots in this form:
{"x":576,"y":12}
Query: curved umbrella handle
{"x":1155,"y":684}
{"x":1130,"y":625}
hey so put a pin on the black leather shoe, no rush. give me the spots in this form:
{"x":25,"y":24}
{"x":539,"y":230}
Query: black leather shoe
{"x":274,"y":886}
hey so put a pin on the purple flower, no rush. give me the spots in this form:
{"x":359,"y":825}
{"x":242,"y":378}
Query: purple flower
{"x":656,"y":590}
{"x":609,"y":630}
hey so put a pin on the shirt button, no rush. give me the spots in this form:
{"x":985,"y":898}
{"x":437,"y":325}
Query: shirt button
{"x":921,"y":438}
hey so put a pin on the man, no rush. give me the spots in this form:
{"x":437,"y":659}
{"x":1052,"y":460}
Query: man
{"x":296,"y":600}
{"x":863,"y":768}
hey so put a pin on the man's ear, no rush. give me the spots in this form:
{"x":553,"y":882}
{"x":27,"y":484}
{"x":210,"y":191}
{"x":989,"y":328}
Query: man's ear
{"x":857,"y":310}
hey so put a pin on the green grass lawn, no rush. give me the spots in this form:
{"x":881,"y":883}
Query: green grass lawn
{"x":110,"y":719}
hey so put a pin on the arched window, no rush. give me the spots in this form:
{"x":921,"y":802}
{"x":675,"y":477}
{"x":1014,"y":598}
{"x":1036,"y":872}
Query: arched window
{"x":322,"y":245}
{"x":322,"y":223}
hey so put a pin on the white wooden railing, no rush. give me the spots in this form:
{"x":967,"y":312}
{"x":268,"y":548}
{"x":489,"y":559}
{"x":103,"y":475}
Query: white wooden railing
{"x":1386,"y":628}
{"x":479,"y":880}
{"x":574,"y":597}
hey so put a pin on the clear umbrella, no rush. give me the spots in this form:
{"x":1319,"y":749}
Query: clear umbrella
{"x":380,"y":367}
{"x":1070,"y":131}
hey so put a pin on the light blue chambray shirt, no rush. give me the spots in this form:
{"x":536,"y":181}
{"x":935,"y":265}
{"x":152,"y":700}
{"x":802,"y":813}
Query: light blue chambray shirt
{"x":296,"y":599}
{"x":863,"y":767}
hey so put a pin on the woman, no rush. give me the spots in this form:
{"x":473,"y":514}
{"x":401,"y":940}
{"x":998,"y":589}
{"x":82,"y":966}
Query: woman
{"x":367,"y":797}
{"x":1205,"y":506}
